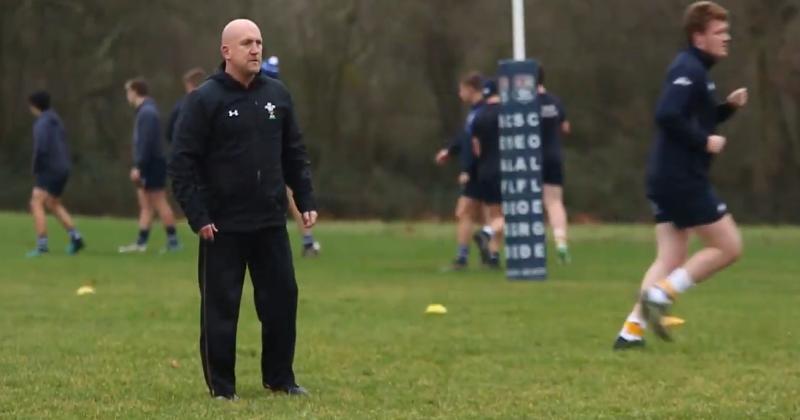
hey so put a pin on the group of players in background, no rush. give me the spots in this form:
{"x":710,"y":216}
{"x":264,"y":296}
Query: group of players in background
{"x":477,"y":150}
{"x":52,"y":165}
{"x":678,"y":185}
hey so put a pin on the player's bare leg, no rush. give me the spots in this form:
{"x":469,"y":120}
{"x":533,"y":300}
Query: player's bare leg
{"x":722,"y":247}
{"x":37,"y":205}
{"x":557,"y":216}
{"x":467,"y":211}
{"x":60,"y":212}
{"x":495,"y":225}
{"x":311,"y":247}
{"x":145,"y":221}
{"x":672,"y":246}
{"x":159,"y":202}
{"x":55,"y":207}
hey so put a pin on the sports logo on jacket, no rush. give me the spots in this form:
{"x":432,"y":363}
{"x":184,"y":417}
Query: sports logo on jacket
{"x":682,"y":81}
{"x":270,"y":107}
{"x":549,"y":111}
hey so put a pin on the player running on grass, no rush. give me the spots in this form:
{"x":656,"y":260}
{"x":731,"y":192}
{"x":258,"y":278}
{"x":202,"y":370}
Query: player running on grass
{"x":678,"y":186}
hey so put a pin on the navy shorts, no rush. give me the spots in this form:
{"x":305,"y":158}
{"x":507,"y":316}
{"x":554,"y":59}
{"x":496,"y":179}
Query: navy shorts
{"x":54,"y":184}
{"x":553,"y":171}
{"x":687,"y":209}
{"x":490,"y":189}
{"x":154,"y":175}
{"x":471,"y":189}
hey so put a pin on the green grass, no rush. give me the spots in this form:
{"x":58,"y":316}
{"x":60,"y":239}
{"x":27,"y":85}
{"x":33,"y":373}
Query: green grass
{"x":365,"y":350}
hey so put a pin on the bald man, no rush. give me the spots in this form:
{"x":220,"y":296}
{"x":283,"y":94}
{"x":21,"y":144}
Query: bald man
{"x":236,"y":148}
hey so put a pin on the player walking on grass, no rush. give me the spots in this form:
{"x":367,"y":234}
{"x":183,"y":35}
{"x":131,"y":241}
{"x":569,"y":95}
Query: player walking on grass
{"x":149,"y":172}
{"x":468,"y":204}
{"x":486,"y":148}
{"x":51,"y":165}
{"x":237,"y":147}
{"x":678,"y":185}
{"x":554,"y":123}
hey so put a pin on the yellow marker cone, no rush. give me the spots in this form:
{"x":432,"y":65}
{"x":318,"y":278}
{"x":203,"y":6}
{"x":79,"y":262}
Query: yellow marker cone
{"x":85,"y":290}
{"x":436,"y":308}
{"x":672,"y":321}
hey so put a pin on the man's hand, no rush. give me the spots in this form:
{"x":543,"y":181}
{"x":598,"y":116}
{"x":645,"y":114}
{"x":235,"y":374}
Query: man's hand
{"x":463,"y":178}
{"x":136,"y":176}
{"x":207,"y":232}
{"x":566,"y":128}
{"x":715,"y":144}
{"x":442,"y":156}
{"x":738,"y":98}
{"x":309,"y":219}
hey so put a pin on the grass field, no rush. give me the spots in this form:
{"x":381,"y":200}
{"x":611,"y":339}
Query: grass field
{"x":365,"y":350}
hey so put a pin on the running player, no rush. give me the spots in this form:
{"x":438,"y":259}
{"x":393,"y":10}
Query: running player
{"x":683,"y":200}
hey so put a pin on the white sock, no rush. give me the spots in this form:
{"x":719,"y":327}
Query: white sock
{"x":658,"y":295}
{"x":560,"y":236}
{"x":629,"y":332}
{"x":680,"y":280}
{"x":666,"y":290}
{"x":488,"y":230}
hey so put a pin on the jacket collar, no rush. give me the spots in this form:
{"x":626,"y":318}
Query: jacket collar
{"x":704,"y":57}
{"x":229,"y":82}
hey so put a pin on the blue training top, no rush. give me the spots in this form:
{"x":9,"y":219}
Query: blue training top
{"x":147,"y":135}
{"x":687,"y":113}
{"x":552,"y":115}
{"x":50,"y":151}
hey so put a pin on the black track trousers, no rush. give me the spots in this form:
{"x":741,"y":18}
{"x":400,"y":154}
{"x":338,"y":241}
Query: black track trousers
{"x":222,"y":262}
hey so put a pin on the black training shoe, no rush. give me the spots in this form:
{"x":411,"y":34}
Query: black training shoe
{"x":623,"y":344}
{"x":494,"y":262}
{"x":482,"y":239}
{"x":75,"y":246}
{"x":459,"y":264}
{"x":293,"y":390}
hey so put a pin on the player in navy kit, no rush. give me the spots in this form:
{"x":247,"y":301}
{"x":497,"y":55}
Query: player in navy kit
{"x":553,"y":124}
{"x":486,"y":149}
{"x":470,"y":91}
{"x":678,"y":186}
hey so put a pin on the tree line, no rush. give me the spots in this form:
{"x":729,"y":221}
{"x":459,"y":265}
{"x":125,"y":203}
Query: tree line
{"x":375,"y":84}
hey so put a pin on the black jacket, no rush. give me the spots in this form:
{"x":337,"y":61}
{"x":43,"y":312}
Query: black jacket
{"x":687,"y":113}
{"x":234,"y":152}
